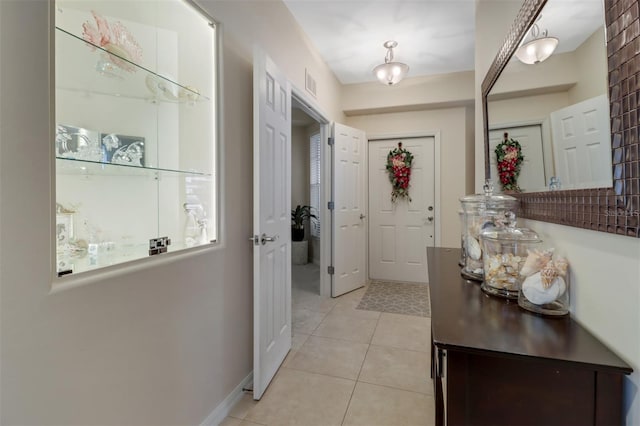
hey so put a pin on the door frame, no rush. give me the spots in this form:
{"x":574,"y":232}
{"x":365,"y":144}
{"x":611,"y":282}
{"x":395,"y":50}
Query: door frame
{"x":435,"y":134}
{"x":311,"y":108}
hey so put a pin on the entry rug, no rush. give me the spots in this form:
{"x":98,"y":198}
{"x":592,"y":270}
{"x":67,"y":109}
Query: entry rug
{"x":397,"y":298}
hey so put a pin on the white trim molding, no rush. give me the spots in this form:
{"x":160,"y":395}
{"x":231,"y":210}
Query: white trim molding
{"x":223,"y":409}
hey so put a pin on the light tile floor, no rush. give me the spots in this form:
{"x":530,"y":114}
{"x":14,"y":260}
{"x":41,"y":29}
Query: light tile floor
{"x":347,"y":367}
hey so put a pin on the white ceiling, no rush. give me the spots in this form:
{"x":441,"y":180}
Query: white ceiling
{"x":434,"y":36}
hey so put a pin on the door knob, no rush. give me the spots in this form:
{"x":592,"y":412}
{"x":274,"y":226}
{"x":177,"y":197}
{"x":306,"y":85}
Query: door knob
{"x":430,"y":218}
{"x":362,"y":216}
{"x":264,"y":239}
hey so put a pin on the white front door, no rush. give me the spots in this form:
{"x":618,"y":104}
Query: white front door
{"x":532,"y":171}
{"x":271,"y":221}
{"x":349,"y":240}
{"x":582,"y":144}
{"x":400,"y":232}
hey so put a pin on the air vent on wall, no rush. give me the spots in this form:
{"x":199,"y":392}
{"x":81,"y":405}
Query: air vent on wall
{"x":309,"y":83}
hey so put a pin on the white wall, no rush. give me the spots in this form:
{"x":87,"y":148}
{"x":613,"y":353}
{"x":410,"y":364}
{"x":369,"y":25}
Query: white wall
{"x":606,"y":268}
{"x":161,"y":345}
{"x":453,"y":137}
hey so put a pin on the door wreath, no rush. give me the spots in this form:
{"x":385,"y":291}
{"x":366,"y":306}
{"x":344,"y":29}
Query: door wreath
{"x":398,"y":167}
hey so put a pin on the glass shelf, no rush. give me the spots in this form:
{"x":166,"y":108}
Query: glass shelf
{"x":107,"y":78}
{"x":135,"y":131}
{"x":72,"y":166}
{"x":108,"y":254}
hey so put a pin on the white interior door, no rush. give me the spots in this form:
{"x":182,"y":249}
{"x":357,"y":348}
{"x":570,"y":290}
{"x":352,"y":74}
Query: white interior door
{"x":582,"y":144}
{"x":271,"y":221}
{"x":349,"y":240}
{"x":399,"y":233}
{"x":532,"y":172}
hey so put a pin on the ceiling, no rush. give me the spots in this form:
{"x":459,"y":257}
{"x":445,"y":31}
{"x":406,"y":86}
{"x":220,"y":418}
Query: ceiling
{"x":434,"y":36}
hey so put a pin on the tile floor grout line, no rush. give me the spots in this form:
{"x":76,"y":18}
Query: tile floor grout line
{"x":400,"y":348}
{"x":368,"y":347}
{"x":319,"y":374}
{"x":396,"y":388}
{"x":360,"y":370}
{"x":344,"y":417}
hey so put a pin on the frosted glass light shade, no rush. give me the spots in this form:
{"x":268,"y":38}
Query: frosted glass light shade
{"x":391,"y":73}
{"x":537,"y":50}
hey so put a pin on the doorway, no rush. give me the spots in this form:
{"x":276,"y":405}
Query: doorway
{"x":399,"y":231}
{"x":305,"y":201}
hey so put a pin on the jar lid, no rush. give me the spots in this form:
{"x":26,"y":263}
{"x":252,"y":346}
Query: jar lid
{"x":488,"y":197}
{"x":482,"y":198}
{"x":509,"y":233}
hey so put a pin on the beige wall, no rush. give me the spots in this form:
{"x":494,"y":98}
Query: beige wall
{"x":591,"y":69}
{"x":269,"y":24}
{"x":299,"y":167}
{"x":161,"y":345}
{"x":450,"y":123}
{"x":606,"y":269}
{"x":526,"y":108}
{"x":412,"y":94}
{"x":470,"y":140}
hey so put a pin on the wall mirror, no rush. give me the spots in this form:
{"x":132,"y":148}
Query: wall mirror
{"x":574,"y":114}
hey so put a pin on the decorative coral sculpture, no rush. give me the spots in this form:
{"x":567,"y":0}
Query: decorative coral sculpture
{"x":115,"y":39}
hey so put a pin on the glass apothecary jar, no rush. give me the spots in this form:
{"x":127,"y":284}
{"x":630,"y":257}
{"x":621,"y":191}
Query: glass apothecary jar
{"x":461,"y":262}
{"x":482,"y":212}
{"x":545,"y":286}
{"x":505,"y":253}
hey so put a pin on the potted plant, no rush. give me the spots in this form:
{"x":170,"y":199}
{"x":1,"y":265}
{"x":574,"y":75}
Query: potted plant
{"x":299,"y":216}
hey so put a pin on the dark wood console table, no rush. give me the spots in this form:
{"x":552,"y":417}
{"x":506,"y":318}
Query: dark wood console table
{"x":494,"y":363}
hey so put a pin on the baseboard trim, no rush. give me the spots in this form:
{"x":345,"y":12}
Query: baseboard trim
{"x":224,"y":408}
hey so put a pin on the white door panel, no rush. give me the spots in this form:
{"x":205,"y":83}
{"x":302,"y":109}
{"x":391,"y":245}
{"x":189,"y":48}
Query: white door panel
{"x":349,"y":213}
{"x":399,"y":233}
{"x":582,"y":144}
{"x":271,"y":219}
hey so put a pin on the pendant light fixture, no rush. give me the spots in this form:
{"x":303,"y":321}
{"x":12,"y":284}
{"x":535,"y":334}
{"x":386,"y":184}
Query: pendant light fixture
{"x":390,"y":72}
{"x":538,"y":48}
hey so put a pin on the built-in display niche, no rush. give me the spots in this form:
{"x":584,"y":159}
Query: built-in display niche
{"x":135,"y":126}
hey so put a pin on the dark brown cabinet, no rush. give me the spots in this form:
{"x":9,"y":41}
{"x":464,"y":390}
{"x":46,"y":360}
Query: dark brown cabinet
{"x":494,"y":363}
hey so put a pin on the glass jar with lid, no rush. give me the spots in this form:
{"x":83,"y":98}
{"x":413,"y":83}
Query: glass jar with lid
{"x":482,"y":212}
{"x":545,"y":286}
{"x":461,"y":262}
{"x":505,"y":252}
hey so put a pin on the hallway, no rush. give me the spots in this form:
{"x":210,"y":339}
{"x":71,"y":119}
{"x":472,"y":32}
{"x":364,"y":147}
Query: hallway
{"x":347,"y":367}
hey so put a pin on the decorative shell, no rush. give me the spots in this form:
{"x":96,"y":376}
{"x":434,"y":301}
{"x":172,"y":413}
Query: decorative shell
{"x":537,"y":293}
{"x":562,"y":265}
{"x":536,"y":260}
{"x":473,"y":248}
{"x":502,"y":270}
{"x":548,"y":274}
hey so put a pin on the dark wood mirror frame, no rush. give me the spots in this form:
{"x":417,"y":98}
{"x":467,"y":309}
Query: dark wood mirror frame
{"x":616,"y":209}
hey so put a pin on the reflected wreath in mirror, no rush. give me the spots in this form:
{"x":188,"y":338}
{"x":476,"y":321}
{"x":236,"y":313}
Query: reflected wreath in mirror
{"x":509,"y":159}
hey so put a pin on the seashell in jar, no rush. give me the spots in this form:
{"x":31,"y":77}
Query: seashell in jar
{"x":535,"y":291}
{"x":536,"y":260}
{"x":511,"y":263}
{"x":562,"y":265}
{"x":548,"y":274}
{"x":473,"y":248}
